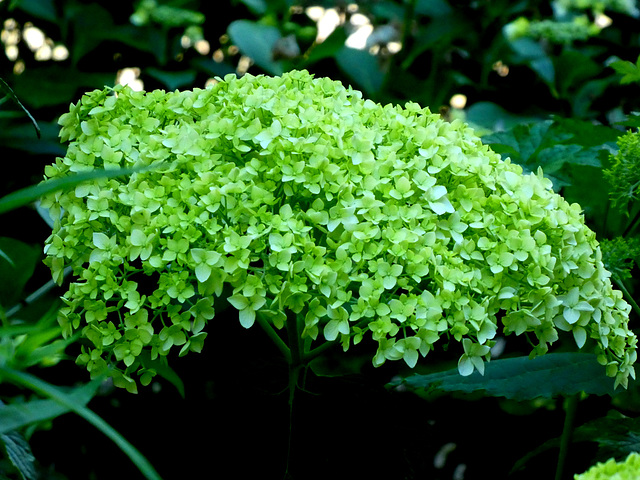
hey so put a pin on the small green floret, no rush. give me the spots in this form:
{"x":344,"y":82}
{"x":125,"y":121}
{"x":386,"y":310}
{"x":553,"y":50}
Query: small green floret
{"x":295,"y":196}
{"x":629,"y":469}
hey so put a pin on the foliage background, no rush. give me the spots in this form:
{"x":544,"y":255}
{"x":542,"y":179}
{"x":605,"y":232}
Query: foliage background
{"x":563,"y":100}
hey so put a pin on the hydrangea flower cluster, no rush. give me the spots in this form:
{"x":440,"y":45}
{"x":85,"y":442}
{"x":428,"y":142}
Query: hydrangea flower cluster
{"x":612,"y":470}
{"x":295,"y":196}
{"x":579,"y":28}
{"x":627,"y":7}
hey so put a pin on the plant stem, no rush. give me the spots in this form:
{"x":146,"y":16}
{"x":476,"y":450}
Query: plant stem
{"x":43,"y":388}
{"x":567,"y":432}
{"x":311,"y":354}
{"x":273,"y":335}
{"x":632,"y":224}
{"x":626,"y":294}
{"x":295,"y":367}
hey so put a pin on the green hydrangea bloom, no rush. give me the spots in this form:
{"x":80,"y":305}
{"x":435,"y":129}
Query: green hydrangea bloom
{"x":627,"y":7}
{"x":578,"y":28}
{"x":295,"y":196}
{"x":611,"y":470}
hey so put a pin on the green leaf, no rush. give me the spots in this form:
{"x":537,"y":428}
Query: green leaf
{"x":6,"y":89}
{"x":211,"y":67}
{"x":257,"y":7}
{"x":41,"y":387}
{"x":615,"y":434}
{"x":162,"y":368}
{"x":93,"y":25}
{"x":55,"y":84}
{"x":494,"y":118}
{"x":257,"y":41}
{"x":585,"y":133}
{"x":522,"y":378}
{"x":44,"y":9}
{"x":630,"y":72}
{"x":18,"y":451}
{"x":173,"y":80}
{"x":30,"y":194}
{"x":362,"y":68}
{"x":572,"y":70}
{"x":19,"y":415}
{"x":14,"y":275}
{"x":554,"y":145}
{"x":329,"y":48}
{"x":433,"y":8}
{"x":633,"y":121}
{"x":530,"y":52}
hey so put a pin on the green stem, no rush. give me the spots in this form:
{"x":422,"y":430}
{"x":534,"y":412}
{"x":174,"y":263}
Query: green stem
{"x":45,"y":389}
{"x":319,"y":350}
{"x":400,"y":60}
{"x":293,"y":331}
{"x":567,"y":433}
{"x":632,"y":225}
{"x":605,"y":217}
{"x":273,"y":335}
{"x":409,"y":16}
{"x":37,"y":295}
{"x":295,"y":367}
{"x":618,"y":281}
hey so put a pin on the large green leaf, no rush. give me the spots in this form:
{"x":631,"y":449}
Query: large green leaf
{"x":257,"y":41}
{"x":93,"y":25}
{"x":432,"y":8}
{"x":615,"y":434}
{"x":328,"y":48}
{"x":572,"y":70}
{"x":173,"y":80}
{"x":522,"y":378}
{"x":491,"y":116}
{"x":44,"y":9}
{"x":56,"y":84}
{"x":257,"y":7}
{"x":529,"y":52}
{"x":362,"y":68}
{"x":554,"y":145}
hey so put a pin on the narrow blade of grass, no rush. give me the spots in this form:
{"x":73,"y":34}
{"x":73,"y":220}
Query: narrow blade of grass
{"x":9,"y":92}
{"x":45,"y":389}
{"x":30,"y":194}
